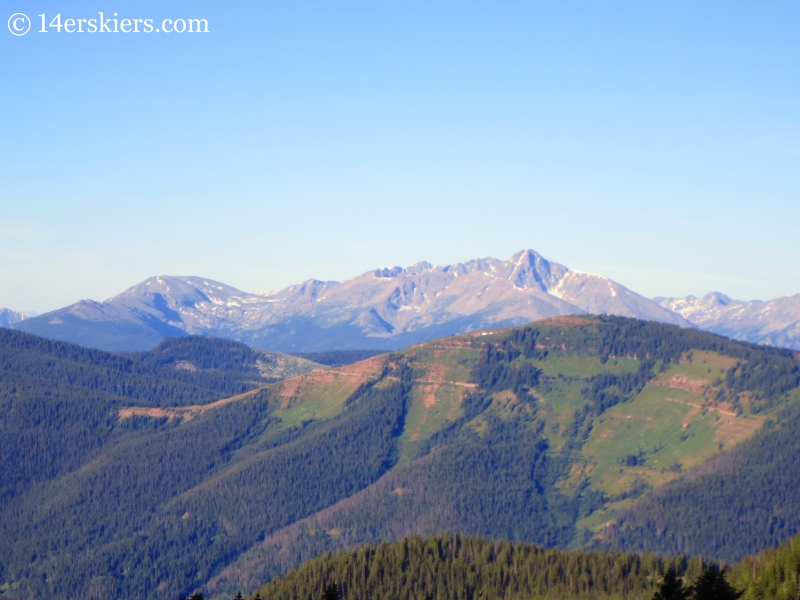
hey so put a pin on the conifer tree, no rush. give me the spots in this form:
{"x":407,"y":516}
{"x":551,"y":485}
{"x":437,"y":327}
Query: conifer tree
{"x":712,"y":585}
{"x":332,"y":592}
{"x":671,"y":587}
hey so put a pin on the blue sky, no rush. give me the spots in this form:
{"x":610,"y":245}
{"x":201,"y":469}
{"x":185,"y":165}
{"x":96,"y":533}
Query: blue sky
{"x":655,"y":143}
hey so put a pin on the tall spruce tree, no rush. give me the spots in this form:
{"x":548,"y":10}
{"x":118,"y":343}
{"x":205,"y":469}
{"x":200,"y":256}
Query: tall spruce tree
{"x":712,"y":585}
{"x":332,"y":592}
{"x":672,"y":588}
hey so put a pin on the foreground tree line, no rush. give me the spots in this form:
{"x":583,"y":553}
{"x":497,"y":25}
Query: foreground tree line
{"x":454,"y":567}
{"x":711,"y":585}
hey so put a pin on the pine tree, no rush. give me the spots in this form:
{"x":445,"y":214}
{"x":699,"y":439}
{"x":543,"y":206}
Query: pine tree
{"x":671,"y":587}
{"x":712,"y":585}
{"x":332,"y":592}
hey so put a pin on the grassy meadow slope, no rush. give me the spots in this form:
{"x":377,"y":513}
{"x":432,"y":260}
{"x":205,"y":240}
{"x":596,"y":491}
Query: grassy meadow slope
{"x":545,"y":434}
{"x":735,"y":504}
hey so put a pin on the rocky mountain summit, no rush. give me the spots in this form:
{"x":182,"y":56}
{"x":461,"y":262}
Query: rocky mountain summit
{"x":773,"y":322}
{"x":9,"y":317}
{"x":386,"y":308}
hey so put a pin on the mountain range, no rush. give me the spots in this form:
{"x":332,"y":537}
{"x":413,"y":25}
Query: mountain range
{"x":774,"y":322}
{"x":387,"y":308}
{"x":392,"y":308}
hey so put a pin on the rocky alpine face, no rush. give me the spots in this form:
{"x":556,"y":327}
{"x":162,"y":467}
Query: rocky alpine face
{"x":9,"y":317}
{"x":773,"y":322}
{"x":386,"y":308}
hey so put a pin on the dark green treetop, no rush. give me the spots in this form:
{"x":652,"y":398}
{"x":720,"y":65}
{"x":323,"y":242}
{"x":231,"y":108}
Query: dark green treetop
{"x":672,"y":588}
{"x":712,"y":585}
{"x":332,"y":592}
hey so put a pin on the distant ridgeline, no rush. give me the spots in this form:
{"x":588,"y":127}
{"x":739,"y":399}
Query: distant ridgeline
{"x":157,"y":475}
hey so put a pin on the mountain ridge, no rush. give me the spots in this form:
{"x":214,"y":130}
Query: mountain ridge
{"x":773,"y":322}
{"x":386,"y":308}
{"x":10,"y":317}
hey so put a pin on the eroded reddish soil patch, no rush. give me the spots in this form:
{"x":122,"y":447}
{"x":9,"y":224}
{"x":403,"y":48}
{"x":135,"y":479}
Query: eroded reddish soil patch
{"x":681,"y":382}
{"x":436,"y":372}
{"x":352,"y":375}
{"x":179,"y":412}
{"x":429,"y":394}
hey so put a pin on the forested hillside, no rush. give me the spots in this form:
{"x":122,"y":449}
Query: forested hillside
{"x":59,"y":402}
{"x":542,"y":434}
{"x":133,"y":518}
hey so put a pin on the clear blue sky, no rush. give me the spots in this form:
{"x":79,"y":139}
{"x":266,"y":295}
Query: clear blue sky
{"x":657,"y":143}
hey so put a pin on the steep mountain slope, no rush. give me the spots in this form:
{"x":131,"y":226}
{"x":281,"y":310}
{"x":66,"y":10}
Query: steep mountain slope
{"x":128,"y":516}
{"x":59,"y":402}
{"x":774,"y":322}
{"x":384,"y":309}
{"x":538,"y":434}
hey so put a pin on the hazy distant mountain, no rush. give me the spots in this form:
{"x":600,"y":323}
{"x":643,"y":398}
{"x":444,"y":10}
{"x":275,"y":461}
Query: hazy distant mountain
{"x":9,"y":317}
{"x":384,"y":308}
{"x":774,"y":322}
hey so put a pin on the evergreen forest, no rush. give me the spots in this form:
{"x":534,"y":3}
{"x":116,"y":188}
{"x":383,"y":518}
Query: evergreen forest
{"x":194,"y":469}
